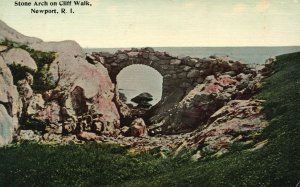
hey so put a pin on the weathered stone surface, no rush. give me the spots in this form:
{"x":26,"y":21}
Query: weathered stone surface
{"x":202,"y":101}
{"x":3,"y":48}
{"x":19,"y":57}
{"x":88,"y":136}
{"x":10,"y":103}
{"x":76,"y":78}
{"x":6,"y":126}
{"x":36,"y":103}
{"x":28,"y":135}
{"x":122,"y":56}
{"x":234,"y":122}
{"x":83,"y":103}
{"x":138,"y":128}
{"x":193,"y":73}
{"x":49,"y":114}
{"x":67,"y":47}
{"x":175,"y":61}
{"x":125,"y":130}
{"x":25,"y":90}
{"x":133,"y":54}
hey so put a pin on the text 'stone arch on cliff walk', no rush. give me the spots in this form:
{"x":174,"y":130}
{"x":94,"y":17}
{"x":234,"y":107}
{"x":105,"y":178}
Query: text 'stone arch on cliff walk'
{"x":164,"y":23}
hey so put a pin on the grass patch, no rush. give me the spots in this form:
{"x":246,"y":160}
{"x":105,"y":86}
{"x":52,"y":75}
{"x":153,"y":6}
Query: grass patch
{"x":276,"y":164}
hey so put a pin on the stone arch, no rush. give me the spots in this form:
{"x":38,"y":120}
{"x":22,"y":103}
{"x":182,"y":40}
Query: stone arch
{"x":179,"y":75}
{"x":170,"y":82}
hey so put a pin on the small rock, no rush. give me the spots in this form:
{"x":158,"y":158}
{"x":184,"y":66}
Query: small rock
{"x":35,"y":104}
{"x":193,"y":73}
{"x":122,"y":57}
{"x":91,"y":59}
{"x":125,"y":130}
{"x":196,"y":156}
{"x":175,"y":62}
{"x":153,"y":57}
{"x":142,"y":97}
{"x":187,"y":68}
{"x":88,"y":136}
{"x":149,"y":49}
{"x":133,"y":54}
{"x":200,"y":80}
{"x":97,"y":126}
{"x":138,"y":128}
{"x":28,"y":135}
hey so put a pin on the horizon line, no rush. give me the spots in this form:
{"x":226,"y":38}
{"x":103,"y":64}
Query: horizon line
{"x":87,"y":47}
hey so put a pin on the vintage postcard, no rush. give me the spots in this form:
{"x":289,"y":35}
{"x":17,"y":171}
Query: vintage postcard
{"x":150,"y":93}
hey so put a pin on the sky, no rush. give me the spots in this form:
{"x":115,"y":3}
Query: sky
{"x":164,"y":23}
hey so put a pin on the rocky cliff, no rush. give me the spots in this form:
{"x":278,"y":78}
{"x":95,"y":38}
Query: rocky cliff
{"x":52,"y":91}
{"x":50,"y":87}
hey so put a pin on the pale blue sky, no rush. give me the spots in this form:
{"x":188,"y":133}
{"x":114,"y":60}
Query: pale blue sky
{"x":137,"y":23}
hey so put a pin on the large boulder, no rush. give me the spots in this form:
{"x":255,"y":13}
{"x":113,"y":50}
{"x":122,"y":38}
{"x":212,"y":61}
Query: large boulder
{"x":237,"y":121}
{"x":81,"y":88}
{"x":19,"y":57}
{"x":6,"y":126}
{"x":11,"y":105}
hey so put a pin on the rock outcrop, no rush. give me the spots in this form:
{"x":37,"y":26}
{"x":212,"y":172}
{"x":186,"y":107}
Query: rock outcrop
{"x":239,"y":121}
{"x":52,"y":91}
{"x":10,"y":105}
{"x":80,"y":98}
{"x":207,"y":97}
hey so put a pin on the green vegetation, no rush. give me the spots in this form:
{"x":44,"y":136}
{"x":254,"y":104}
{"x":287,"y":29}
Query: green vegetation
{"x":276,"y":164}
{"x":19,"y":72}
{"x":42,"y":60}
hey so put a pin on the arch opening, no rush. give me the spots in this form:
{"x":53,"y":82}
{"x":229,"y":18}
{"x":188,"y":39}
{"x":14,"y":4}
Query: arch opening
{"x":139,"y":79}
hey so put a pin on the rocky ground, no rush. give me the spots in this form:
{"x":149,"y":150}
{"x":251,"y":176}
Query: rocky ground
{"x":51,"y":92}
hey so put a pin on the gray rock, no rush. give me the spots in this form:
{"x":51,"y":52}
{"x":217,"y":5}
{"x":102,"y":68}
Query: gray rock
{"x":19,"y":57}
{"x":153,"y":57}
{"x":193,"y":73}
{"x":36,"y":103}
{"x":28,"y":135}
{"x":122,"y":56}
{"x":142,"y":97}
{"x":198,"y":65}
{"x":185,"y":85}
{"x":6,"y":126}
{"x":181,"y":75}
{"x":133,"y":54}
{"x":3,"y":48}
{"x":138,"y":128}
{"x":175,"y":61}
{"x":200,"y":80}
{"x":187,"y":68}
{"x":9,"y":97}
{"x":24,"y":89}
{"x":149,"y":49}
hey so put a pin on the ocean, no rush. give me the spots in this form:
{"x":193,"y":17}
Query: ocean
{"x":251,"y":55}
{"x":137,"y":79}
